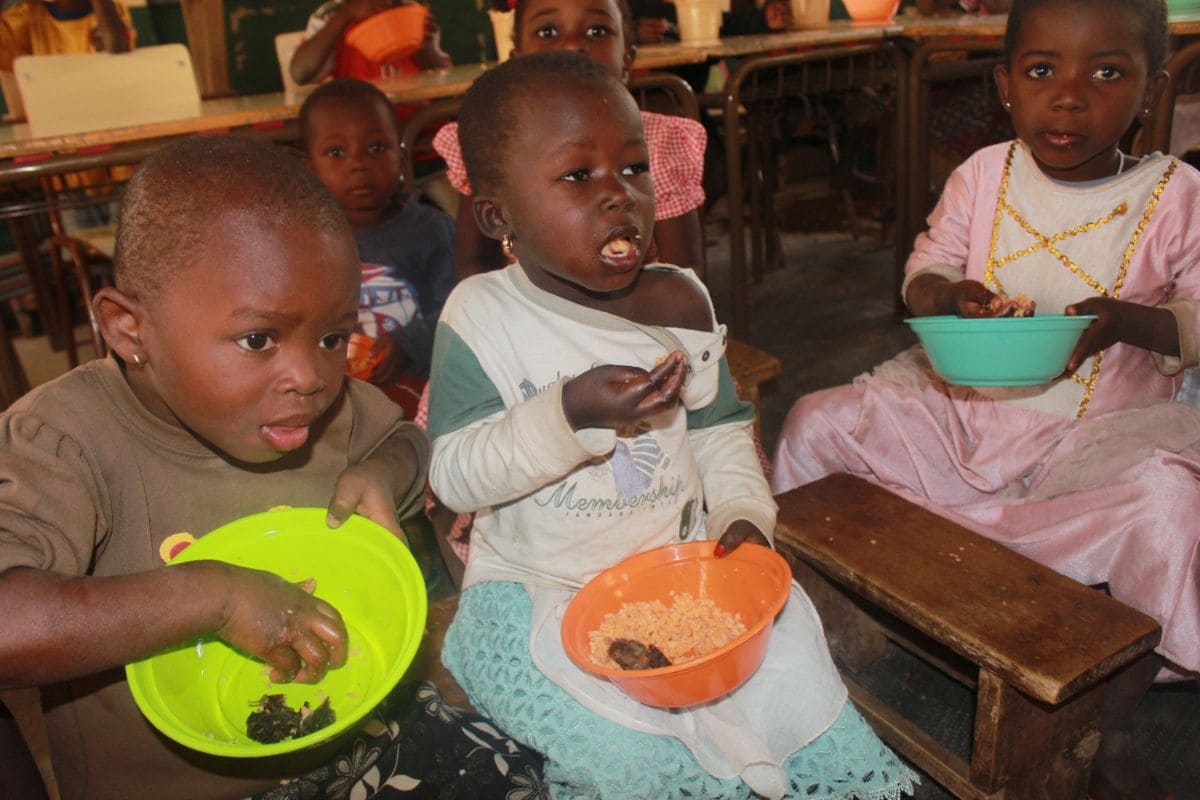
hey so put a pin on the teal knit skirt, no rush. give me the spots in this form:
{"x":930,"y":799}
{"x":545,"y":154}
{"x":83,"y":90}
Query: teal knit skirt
{"x":589,"y":757}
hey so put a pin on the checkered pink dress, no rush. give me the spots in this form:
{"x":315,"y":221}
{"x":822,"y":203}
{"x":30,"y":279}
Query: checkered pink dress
{"x":676,"y":147}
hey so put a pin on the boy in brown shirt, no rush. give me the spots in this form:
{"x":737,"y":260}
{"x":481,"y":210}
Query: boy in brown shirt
{"x":236,"y":290}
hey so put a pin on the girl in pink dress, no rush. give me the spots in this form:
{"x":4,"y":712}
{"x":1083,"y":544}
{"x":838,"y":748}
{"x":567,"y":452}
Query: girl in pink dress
{"x":604,"y":31}
{"x":1094,"y":474}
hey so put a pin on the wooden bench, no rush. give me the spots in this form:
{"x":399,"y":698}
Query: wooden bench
{"x":1036,"y":646}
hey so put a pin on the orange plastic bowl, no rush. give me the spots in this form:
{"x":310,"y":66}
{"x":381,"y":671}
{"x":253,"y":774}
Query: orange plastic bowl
{"x":871,"y":10}
{"x":390,"y":35}
{"x":752,"y":581}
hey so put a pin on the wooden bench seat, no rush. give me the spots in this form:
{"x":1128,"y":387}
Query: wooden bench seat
{"x":1037,"y":646}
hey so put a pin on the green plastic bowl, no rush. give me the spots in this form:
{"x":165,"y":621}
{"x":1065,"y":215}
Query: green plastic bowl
{"x":1003,"y":351}
{"x":200,"y":694}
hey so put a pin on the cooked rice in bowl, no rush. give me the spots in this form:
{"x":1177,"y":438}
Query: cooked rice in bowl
{"x":688,"y":629}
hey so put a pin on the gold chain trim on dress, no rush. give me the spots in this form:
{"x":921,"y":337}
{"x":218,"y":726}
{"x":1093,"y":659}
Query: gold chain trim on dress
{"x":1046,"y":243}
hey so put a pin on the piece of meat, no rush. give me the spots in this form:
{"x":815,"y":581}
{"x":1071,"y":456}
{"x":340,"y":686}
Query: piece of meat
{"x":274,"y":721}
{"x":1020,"y":306}
{"x":632,"y":654}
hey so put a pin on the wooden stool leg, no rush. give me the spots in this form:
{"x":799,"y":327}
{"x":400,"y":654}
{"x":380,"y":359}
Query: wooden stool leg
{"x":13,"y":382}
{"x":853,"y":637}
{"x":1030,"y":750}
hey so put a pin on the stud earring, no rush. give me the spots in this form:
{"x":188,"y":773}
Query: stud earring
{"x":506,"y":242}
{"x":1008,"y":105}
{"x":137,"y":359}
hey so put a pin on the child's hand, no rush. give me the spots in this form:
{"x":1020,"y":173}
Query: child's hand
{"x":1121,"y":321}
{"x":739,"y":531}
{"x":971,"y":299}
{"x":777,"y":14}
{"x":613,"y":396}
{"x":375,"y":486}
{"x":390,"y":360}
{"x":431,"y":55}
{"x":930,"y":295}
{"x":299,"y":636}
{"x":652,"y":30}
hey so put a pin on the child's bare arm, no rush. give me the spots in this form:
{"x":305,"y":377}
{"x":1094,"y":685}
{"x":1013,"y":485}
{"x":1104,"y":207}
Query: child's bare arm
{"x":110,"y":30}
{"x":613,"y":396}
{"x":387,"y":485}
{"x":61,"y":627}
{"x":680,"y":240}
{"x":473,"y":252}
{"x":1150,"y":328}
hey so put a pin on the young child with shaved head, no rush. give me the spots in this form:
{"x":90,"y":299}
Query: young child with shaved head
{"x":237,"y":284}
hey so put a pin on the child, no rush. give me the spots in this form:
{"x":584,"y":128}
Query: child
{"x":575,"y":462}
{"x":603,"y":30}
{"x":224,"y":396}
{"x":324,"y":53}
{"x":37,"y":27}
{"x":407,"y":248}
{"x":1094,"y":474}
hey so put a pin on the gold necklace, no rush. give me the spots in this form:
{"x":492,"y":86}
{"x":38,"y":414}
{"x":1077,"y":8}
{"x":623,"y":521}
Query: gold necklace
{"x":1047,"y":243}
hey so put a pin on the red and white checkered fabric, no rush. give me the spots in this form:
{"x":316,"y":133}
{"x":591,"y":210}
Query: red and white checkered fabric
{"x":676,"y":147}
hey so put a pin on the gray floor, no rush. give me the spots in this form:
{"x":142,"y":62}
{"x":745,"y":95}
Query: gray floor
{"x":828,"y":315}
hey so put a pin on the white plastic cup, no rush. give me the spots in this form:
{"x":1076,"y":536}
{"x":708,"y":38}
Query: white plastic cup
{"x":810,"y":13}
{"x":502,"y":29}
{"x":698,"y":20}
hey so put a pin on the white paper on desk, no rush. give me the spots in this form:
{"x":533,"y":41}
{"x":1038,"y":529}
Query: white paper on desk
{"x":793,"y":697}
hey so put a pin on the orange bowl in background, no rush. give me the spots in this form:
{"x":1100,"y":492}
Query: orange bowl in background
{"x":871,"y":10}
{"x":753,"y":581}
{"x":390,"y":35}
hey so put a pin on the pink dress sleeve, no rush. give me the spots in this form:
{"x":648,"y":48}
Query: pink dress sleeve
{"x":445,"y":141}
{"x":676,"y":147}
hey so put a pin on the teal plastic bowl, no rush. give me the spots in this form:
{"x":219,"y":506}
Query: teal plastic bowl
{"x":199,"y":694}
{"x":1004,"y":351}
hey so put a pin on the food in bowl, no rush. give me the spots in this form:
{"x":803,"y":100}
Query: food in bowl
{"x":1000,"y":351}
{"x":199,"y":692}
{"x":752,"y":582}
{"x":273,"y":720}
{"x":1020,"y":306}
{"x":688,"y":629}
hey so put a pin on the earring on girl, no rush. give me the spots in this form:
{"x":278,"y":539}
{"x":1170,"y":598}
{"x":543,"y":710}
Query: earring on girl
{"x":1008,"y":105}
{"x":506,"y":243}
{"x":137,"y":359}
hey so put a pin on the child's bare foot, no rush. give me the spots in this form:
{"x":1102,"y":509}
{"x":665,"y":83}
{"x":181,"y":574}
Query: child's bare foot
{"x":1120,"y":771}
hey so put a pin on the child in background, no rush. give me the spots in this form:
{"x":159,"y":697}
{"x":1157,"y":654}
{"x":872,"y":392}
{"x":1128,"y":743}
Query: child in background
{"x":224,"y":395}
{"x":324,"y":53}
{"x":1094,"y":474}
{"x":534,"y":418}
{"x":37,"y":27}
{"x":407,"y":248}
{"x":604,"y":30}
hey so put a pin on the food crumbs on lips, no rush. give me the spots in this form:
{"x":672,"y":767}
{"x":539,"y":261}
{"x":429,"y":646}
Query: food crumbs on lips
{"x":274,"y":721}
{"x":641,"y":633}
{"x":619,"y":247}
